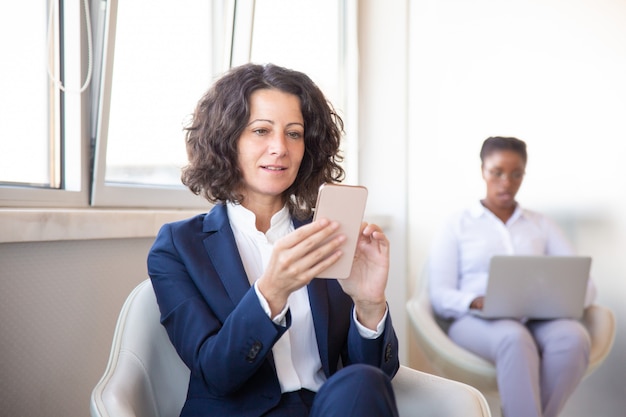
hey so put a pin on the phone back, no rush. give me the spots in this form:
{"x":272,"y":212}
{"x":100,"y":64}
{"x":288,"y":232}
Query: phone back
{"x":344,"y":204}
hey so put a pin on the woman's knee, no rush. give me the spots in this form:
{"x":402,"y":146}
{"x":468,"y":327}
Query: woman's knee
{"x":356,"y":390}
{"x":365,"y":374}
{"x":564,"y":336}
{"x":514,"y":336}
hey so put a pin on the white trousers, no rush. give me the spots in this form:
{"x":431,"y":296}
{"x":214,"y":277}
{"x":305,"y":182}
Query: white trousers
{"x":538,"y":363}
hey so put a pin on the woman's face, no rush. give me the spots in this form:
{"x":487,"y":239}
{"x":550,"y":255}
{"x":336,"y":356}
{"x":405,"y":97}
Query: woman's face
{"x":503,"y":172}
{"x":271,"y":147}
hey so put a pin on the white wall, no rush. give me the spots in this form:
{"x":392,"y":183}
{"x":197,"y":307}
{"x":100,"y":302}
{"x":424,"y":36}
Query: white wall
{"x":552,"y":73}
{"x":59,"y":302}
{"x":382,"y":136}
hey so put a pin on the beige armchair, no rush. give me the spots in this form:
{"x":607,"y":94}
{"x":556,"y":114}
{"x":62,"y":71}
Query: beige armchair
{"x":145,"y":376}
{"x":451,"y":361}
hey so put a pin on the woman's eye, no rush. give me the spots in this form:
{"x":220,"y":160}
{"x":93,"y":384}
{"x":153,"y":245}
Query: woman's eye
{"x":260,"y":131}
{"x":294,"y":135}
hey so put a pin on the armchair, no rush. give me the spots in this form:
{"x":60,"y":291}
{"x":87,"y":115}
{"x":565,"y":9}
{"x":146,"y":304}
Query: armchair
{"x":146,"y":377}
{"x":452,"y":361}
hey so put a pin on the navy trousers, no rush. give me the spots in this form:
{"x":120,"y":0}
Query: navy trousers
{"x":355,"y":391}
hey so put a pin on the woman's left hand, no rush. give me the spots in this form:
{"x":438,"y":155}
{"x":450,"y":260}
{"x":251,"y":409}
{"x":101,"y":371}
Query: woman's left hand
{"x":368,"y":278}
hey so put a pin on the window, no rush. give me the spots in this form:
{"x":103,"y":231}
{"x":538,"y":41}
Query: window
{"x":42,"y":159}
{"x":25,"y":134}
{"x":158,"y":60}
{"x":119,"y":141}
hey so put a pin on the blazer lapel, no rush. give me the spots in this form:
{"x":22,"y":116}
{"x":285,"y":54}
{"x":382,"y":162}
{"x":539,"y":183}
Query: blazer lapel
{"x":224,"y":254}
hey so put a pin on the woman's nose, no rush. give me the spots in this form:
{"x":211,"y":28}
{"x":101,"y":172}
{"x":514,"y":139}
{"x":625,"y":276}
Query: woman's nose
{"x":277,"y":145}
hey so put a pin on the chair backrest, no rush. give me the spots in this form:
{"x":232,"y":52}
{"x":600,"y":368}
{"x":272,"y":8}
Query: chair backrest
{"x":144,"y":376}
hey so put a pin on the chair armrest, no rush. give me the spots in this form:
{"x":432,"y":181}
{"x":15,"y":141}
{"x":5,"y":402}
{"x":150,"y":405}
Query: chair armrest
{"x":425,"y":395}
{"x":447,"y":357}
{"x":600,"y":323}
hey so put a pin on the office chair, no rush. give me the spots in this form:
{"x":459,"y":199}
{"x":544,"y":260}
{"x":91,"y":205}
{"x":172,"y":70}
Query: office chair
{"x":146,"y":377}
{"x":449,"y":360}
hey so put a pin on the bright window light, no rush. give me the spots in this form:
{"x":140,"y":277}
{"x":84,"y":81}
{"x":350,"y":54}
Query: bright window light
{"x":162,"y":66}
{"x":24,"y":101}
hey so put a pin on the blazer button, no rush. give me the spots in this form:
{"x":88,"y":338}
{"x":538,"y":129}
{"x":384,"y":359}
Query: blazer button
{"x":254,"y":351}
{"x":388,"y":352}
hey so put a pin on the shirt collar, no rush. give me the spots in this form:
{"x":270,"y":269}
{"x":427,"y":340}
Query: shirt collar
{"x":244,"y":221}
{"x":477,"y":210}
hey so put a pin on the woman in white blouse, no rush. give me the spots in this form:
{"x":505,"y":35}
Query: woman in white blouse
{"x":539,"y":363}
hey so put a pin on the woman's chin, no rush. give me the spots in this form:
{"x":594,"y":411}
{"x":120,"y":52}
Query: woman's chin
{"x":507,"y":201}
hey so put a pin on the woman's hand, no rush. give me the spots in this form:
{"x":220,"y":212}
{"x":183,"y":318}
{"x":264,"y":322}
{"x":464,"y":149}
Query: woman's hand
{"x":477,"y":303}
{"x":368,"y":278}
{"x":298,"y":258}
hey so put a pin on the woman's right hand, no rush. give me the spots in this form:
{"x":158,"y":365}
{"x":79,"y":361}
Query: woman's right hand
{"x":298,"y":258}
{"x":477,"y":303}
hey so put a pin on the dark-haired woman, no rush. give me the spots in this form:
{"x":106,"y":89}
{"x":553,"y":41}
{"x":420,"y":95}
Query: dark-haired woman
{"x":236,"y":286}
{"x":539,"y":363}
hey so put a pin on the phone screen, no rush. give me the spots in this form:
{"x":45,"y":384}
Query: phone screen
{"x":344,"y":204}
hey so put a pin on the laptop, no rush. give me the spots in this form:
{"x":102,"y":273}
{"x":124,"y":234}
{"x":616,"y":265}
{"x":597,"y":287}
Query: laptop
{"x":536,"y":287}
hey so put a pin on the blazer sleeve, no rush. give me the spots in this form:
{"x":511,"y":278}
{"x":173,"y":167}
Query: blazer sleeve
{"x":381,"y":352}
{"x":224,"y":343}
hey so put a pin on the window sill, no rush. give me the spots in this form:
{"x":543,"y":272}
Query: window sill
{"x":40,"y":225}
{"x":37,"y":225}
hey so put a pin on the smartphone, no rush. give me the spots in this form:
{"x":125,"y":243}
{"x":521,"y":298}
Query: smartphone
{"x":344,"y":204}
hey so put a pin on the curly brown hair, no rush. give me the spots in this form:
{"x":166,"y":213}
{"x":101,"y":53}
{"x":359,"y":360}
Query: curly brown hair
{"x":219,"y":120}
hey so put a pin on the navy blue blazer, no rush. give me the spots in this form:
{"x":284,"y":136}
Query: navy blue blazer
{"x":217,"y":325}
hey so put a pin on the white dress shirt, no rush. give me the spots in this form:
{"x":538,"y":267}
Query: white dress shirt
{"x":296,"y":354}
{"x":458,"y":265}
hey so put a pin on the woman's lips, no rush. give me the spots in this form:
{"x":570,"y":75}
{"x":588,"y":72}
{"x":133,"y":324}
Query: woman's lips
{"x":273,"y":168}
{"x":505,"y":195}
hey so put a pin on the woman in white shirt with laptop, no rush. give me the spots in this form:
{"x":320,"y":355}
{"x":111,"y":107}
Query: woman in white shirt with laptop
{"x":539,"y":363}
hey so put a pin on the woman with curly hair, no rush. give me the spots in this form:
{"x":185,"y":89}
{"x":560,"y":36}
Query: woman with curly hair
{"x":236,"y":286}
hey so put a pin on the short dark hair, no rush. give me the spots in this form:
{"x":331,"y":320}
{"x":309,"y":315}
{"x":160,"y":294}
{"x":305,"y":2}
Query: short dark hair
{"x":219,"y":120}
{"x":501,"y":143}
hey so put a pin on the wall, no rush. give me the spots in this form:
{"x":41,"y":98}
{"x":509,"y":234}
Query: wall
{"x":382,"y":137}
{"x":64,"y":275}
{"x":548,"y":72}
{"x":59,"y":302}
